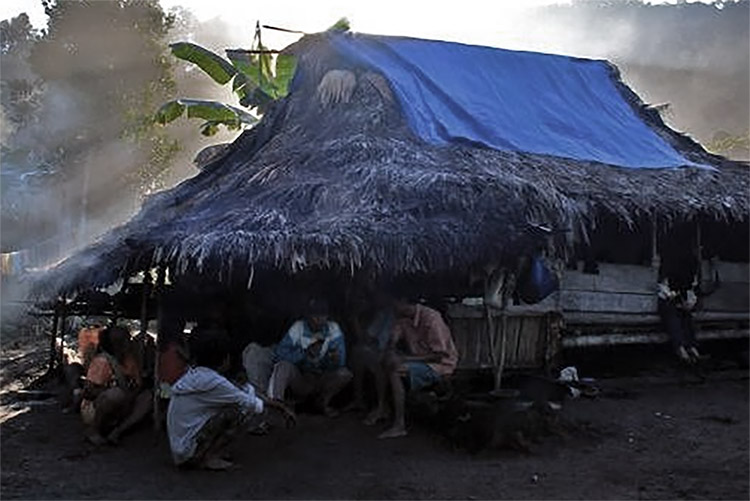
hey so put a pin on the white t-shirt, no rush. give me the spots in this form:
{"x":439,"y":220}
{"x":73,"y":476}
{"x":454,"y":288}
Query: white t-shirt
{"x":196,"y":397}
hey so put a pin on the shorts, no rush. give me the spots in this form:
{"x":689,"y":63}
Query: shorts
{"x":222,"y":425}
{"x":88,"y":412}
{"x":420,"y":375}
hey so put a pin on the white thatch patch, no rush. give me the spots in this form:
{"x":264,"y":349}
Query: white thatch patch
{"x":336,"y":86}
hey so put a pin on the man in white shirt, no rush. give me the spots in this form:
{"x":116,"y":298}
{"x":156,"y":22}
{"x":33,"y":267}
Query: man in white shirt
{"x":206,"y":410}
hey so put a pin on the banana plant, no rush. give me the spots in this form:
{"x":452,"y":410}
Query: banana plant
{"x":258,"y":76}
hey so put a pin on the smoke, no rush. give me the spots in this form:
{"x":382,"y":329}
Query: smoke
{"x":79,"y":165}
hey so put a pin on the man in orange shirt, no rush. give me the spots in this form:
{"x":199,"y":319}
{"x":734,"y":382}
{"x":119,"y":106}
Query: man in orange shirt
{"x":114,"y":397}
{"x":421,"y":351}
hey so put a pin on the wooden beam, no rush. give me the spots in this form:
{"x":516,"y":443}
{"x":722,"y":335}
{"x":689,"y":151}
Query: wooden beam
{"x":605,"y":318}
{"x":605,"y":339}
{"x":251,"y":51}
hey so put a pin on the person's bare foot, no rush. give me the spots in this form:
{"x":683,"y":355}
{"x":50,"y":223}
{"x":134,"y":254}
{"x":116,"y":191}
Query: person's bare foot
{"x":216,"y":464}
{"x":394,"y":432}
{"x":330,"y":412}
{"x":682,"y":354}
{"x":262,"y":428}
{"x":694,"y":354}
{"x":375,"y":417}
{"x":95,"y":438}
{"x":114,"y":438}
{"x":355,"y":406}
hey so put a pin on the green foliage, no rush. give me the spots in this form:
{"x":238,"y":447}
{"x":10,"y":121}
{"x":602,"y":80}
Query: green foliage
{"x":341,"y":25}
{"x":258,"y":77}
{"x":21,"y":91}
{"x":211,"y":63}
{"x":724,"y":143}
{"x":74,"y":93}
{"x":213,"y":112}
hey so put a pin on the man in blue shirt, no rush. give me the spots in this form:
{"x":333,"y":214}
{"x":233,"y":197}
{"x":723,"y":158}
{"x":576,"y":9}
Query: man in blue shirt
{"x":310,"y":360}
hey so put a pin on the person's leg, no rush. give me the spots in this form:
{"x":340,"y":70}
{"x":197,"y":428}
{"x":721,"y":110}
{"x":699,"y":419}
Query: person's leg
{"x":69,"y":398}
{"x":214,"y":437}
{"x":331,"y":383}
{"x":688,"y":328}
{"x":358,"y":361}
{"x":394,"y":370}
{"x":140,"y":408}
{"x":378,"y":369}
{"x":419,"y":375}
{"x":672,"y":324}
{"x":285,"y":376}
{"x":109,"y":408}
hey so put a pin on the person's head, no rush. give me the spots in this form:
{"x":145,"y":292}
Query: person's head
{"x":210,"y":348}
{"x":317,"y":314}
{"x":403,"y":307}
{"x":382,"y":299}
{"x":115,"y":340}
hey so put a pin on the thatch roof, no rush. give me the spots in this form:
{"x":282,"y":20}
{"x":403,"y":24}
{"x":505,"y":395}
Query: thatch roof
{"x":348,"y":186}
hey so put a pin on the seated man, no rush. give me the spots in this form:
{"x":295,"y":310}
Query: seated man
{"x":114,"y":398}
{"x":206,"y":410}
{"x":311,"y":360}
{"x":76,"y":364}
{"x":421,"y":349}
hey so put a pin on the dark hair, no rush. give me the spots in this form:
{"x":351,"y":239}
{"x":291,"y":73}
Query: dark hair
{"x":105,"y":337}
{"x":317,"y":306}
{"x":105,"y":345}
{"x":209,"y":347}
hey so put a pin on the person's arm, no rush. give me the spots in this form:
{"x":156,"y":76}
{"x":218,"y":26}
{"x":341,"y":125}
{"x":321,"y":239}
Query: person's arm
{"x":92,"y":390}
{"x":277,"y":405}
{"x":270,"y":403}
{"x":663,"y":290}
{"x":431,"y":358}
{"x":336,"y":353}
{"x":437,"y":340}
{"x":97,"y":378}
{"x":287,"y":349}
{"x":226,"y":393}
{"x":396,"y":335}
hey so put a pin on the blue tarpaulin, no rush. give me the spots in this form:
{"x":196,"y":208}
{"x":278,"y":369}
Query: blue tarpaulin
{"x":511,"y":100}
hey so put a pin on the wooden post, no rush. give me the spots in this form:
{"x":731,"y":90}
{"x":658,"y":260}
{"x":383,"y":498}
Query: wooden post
{"x":655,"y":259}
{"x":503,"y":339}
{"x":496,"y":296}
{"x":698,"y":238}
{"x":63,"y":318}
{"x":489,"y":323}
{"x":699,"y":246}
{"x":490,"y":331}
{"x":159,"y":290}
{"x":145,"y":293}
{"x":53,"y":338}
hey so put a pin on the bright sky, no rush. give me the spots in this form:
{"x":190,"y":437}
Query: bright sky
{"x":484,"y":22}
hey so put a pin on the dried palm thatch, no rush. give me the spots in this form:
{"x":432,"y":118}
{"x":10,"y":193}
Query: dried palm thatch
{"x":335,"y":179}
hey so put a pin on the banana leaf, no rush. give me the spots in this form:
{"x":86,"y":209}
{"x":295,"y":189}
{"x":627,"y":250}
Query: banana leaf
{"x":213,"y":64}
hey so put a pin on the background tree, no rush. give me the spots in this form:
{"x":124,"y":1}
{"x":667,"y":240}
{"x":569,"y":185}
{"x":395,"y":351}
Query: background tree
{"x":100,"y":69}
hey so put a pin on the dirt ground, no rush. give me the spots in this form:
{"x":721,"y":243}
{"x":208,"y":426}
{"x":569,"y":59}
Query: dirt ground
{"x":658,"y":436}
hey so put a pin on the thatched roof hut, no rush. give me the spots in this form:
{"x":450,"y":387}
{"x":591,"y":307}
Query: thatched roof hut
{"x":336,"y":178}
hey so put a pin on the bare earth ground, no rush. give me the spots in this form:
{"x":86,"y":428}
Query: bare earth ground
{"x":660,"y":437}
